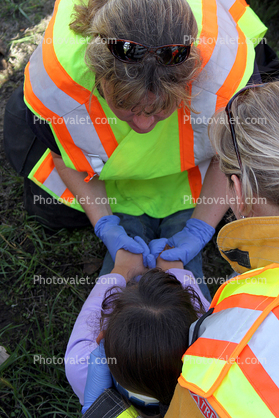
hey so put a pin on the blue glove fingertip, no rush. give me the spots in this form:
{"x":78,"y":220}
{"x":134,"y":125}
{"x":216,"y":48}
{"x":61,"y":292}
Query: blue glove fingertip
{"x":151,"y":261}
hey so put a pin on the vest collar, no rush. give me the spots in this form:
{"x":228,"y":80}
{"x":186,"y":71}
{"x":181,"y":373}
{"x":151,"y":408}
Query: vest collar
{"x":250,"y":243}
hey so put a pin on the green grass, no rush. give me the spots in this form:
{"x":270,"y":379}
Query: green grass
{"x":38,"y":317}
{"x":42,"y":315}
{"x":31,"y":10}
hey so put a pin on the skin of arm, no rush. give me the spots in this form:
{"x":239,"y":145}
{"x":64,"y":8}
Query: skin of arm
{"x":213,"y":190}
{"x":95,"y":188}
{"x":130,"y":265}
{"x":167,"y":265}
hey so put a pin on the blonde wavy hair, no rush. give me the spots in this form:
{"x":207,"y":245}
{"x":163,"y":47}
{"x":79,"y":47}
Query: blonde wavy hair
{"x":150,"y":22}
{"x":256,"y":114}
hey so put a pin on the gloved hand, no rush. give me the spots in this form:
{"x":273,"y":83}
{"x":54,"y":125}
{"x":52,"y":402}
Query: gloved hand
{"x":148,"y":259}
{"x":156,"y":246}
{"x":115,"y":237}
{"x":98,"y":376}
{"x":188,"y":242}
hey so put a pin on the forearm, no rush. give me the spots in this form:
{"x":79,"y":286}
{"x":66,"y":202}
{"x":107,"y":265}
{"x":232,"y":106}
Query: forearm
{"x":212,"y":206}
{"x":88,"y":194}
{"x":128,"y":265}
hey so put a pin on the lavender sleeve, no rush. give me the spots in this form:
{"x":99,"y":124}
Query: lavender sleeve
{"x":86,"y":329}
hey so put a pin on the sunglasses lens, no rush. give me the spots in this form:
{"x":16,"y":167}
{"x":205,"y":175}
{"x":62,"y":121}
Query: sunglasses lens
{"x":128,"y":51}
{"x":173,"y":55}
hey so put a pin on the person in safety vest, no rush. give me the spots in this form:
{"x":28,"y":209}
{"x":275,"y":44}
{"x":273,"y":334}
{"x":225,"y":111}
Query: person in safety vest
{"x":119,"y":95}
{"x":230,"y":369}
{"x":141,"y":336}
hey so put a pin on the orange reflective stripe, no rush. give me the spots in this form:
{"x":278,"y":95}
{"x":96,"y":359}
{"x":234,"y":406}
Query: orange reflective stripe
{"x":244,"y":300}
{"x":103,"y":130}
{"x":237,"y":10}
{"x":67,"y":195}
{"x":260,"y":380}
{"x":276,"y":312}
{"x":55,"y":69}
{"x":238,"y":279}
{"x":77,"y":156}
{"x":208,"y":348}
{"x":225,"y":345}
{"x":33,"y":100}
{"x":186,"y":139}
{"x":45,"y":169}
{"x":235,"y":75}
{"x":80,"y":94}
{"x":209,"y":9}
{"x":195,"y":182}
{"x":244,"y":342}
{"x":244,"y":3}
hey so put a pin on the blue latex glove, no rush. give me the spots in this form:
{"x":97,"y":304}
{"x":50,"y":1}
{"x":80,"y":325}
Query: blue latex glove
{"x":148,"y":259}
{"x":189,"y":242}
{"x":115,"y":237}
{"x":98,"y":376}
{"x":157,"y":246}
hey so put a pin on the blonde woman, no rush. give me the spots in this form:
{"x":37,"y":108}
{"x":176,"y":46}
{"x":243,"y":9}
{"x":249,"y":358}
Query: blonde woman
{"x":119,"y":94}
{"x":231,"y":368}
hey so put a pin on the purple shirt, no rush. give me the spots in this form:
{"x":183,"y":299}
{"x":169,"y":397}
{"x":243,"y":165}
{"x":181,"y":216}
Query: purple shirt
{"x":86,"y":329}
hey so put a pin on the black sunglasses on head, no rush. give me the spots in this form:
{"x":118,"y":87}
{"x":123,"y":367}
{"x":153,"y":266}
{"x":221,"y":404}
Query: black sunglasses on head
{"x":133,"y":52}
{"x":232,"y":121}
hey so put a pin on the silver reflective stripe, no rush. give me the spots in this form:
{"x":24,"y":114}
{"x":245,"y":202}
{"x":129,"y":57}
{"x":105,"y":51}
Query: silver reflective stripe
{"x":46,"y":90}
{"x":96,"y":163}
{"x":212,"y":79}
{"x":54,"y":183}
{"x":83,"y":132}
{"x":191,"y":332}
{"x":75,"y":115}
{"x":220,"y":64}
{"x":265,"y":343}
{"x":204,"y":102}
{"x":228,"y":325}
{"x":227,"y":3}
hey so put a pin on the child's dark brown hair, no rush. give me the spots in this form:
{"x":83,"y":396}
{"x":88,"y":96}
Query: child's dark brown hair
{"x":146,"y":329}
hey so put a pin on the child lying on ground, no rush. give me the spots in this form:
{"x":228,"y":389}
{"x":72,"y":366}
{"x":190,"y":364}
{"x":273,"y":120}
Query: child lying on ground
{"x":145,"y":328}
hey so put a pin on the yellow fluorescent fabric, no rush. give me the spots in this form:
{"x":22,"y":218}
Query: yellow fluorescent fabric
{"x":253,"y":26}
{"x":205,"y":370}
{"x":267,"y":284}
{"x":247,"y":403}
{"x":144,"y":172}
